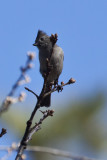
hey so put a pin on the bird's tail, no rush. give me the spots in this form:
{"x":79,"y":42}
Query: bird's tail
{"x":47,"y":100}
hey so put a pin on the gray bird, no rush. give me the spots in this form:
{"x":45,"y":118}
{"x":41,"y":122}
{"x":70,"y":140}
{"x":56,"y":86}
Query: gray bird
{"x":44,"y":44}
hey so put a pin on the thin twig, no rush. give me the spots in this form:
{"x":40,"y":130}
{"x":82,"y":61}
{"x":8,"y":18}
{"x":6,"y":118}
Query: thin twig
{"x":37,"y":126}
{"x":32,"y":92}
{"x":49,"y":150}
{"x":55,"y":88}
{"x":57,"y":152}
{"x":59,"y":87}
{"x":3,"y":131}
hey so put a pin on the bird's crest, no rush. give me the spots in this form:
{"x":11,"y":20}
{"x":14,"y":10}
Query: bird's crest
{"x":40,"y":33}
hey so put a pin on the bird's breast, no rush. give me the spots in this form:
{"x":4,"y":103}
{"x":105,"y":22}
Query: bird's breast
{"x":56,"y":63}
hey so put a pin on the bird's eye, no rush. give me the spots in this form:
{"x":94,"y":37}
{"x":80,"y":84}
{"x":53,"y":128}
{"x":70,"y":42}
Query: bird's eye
{"x":42,"y":39}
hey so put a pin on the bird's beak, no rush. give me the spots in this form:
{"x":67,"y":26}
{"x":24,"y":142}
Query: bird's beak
{"x":35,"y":44}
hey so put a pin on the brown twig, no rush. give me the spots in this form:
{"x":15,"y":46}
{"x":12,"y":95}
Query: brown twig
{"x":37,"y":127}
{"x":32,"y":92}
{"x":55,"y":88}
{"x":3,"y":131}
{"x":60,"y":87}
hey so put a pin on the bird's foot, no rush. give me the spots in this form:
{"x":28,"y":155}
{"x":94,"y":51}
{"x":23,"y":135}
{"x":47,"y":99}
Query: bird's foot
{"x":59,"y":88}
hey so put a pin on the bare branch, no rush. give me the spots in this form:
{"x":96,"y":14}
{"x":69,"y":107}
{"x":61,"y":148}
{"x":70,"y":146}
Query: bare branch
{"x":48,"y":150}
{"x":32,"y":92}
{"x":57,"y":152}
{"x":37,"y":126}
{"x":60,"y":87}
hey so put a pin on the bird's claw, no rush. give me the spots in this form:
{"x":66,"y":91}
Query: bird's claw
{"x":59,"y":88}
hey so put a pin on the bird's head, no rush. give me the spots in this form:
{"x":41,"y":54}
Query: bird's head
{"x":42,"y":40}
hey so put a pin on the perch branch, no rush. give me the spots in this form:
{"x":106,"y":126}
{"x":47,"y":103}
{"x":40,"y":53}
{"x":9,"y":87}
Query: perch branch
{"x":25,"y":138}
{"x":29,"y":131}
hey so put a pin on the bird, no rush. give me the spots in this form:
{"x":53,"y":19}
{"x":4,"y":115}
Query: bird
{"x":45,"y":46}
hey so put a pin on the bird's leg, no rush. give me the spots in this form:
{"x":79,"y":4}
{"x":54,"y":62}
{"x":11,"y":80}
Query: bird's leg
{"x":56,"y":85}
{"x":56,"y":82}
{"x":59,"y":88}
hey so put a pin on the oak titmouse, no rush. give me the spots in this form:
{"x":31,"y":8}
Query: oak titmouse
{"x":44,"y":44}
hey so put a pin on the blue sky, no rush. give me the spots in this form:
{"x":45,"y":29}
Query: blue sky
{"x":82,"y":29}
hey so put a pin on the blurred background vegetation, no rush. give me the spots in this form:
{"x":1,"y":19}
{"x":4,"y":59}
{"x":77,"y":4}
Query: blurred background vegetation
{"x":78,"y":127}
